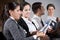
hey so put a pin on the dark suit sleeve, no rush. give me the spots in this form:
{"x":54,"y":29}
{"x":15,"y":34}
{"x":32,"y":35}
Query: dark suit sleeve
{"x":16,"y":34}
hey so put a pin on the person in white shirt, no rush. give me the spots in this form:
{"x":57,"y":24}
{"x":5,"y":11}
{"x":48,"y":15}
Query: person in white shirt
{"x":25,"y":21}
{"x":51,"y":9}
{"x":38,"y":10}
{"x":50,"y":17}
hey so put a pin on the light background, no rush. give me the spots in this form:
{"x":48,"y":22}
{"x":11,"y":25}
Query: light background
{"x":45,"y":2}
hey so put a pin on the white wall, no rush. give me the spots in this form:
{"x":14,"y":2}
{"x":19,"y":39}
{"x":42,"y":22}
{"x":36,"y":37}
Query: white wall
{"x":45,"y":2}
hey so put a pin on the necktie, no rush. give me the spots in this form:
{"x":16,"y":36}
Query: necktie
{"x":34,"y":25}
{"x":42,"y":22}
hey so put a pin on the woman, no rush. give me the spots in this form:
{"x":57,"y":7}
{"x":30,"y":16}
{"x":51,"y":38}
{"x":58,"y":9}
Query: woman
{"x":25,"y":17}
{"x":25,"y":21}
{"x":51,"y":9}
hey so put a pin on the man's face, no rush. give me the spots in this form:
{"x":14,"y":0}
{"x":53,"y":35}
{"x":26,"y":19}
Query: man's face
{"x":41,"y":11}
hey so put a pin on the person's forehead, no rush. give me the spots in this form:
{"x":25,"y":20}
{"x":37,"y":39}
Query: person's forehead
{"x":50,"y":7}
{"x":18,"y":7}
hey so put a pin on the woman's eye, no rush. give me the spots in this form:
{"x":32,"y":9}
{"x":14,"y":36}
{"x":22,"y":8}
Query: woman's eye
{"x":26,"y":10}
{"x":18,"y":10}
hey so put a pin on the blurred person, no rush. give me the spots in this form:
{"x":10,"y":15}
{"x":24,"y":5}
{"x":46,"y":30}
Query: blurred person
{"x":38,"y":10}
{"x":25,"y":20}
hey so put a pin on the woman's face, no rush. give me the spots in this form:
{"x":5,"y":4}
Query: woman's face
{"x":16,"y":13}
{"x":50,"y":10}
{"x":26,"y":11}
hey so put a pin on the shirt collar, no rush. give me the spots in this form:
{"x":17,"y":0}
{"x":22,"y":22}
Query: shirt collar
{"x":37,"y":17}
{"x":26,"y":19}
{"x":52,"y":18}
{"x":12,"y":17}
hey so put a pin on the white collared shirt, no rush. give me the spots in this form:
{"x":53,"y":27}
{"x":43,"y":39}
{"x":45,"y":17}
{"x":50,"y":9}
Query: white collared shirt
{"x":13,"y":19}
{"x":37,"y":20}
{"x":30,"y":25}
{"x":52,"y":18}
{"x":49,"y":18}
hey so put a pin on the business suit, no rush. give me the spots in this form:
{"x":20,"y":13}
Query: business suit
{"x":23,"y":24}
{"x":13,"y":31}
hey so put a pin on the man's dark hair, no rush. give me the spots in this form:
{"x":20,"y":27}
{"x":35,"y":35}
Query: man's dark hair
{"x":36,"y":6}
{"x":50,"y":5}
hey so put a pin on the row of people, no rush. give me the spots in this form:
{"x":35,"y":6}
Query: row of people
{"x":19,"y":25}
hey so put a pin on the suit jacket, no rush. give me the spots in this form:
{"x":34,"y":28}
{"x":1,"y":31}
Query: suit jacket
{"x":23,"y":24}
{"x":13,"y":31}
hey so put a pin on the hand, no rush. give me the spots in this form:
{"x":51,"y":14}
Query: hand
{"x":50,"y":30}
{"x":58,"y":19}
{"x":40,"y":34}
{"x":33,"y":33}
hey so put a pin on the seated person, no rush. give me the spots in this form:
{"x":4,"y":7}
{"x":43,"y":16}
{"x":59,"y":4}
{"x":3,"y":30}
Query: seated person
{"x":25,"y":21}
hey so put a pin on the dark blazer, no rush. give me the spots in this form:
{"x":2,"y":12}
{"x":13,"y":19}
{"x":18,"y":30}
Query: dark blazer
{"x":23,"y":24}
{"x":12,"y":31}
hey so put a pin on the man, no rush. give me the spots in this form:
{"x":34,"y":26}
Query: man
{"x":38,"y":10}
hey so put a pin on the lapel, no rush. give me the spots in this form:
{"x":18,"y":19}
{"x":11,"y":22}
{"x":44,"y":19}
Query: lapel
{"x":23,"y":24}
{"x":22,"y":31}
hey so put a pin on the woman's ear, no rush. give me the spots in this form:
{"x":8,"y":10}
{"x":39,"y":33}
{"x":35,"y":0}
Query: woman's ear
{"x":10,"y":11}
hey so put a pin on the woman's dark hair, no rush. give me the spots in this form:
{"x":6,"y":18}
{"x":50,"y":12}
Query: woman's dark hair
{"x":10,"y":6}
{"x":23,"y":4}
{"x":36,"y":6}
{"x":50,"y":5}
{"x":7,"y":7}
